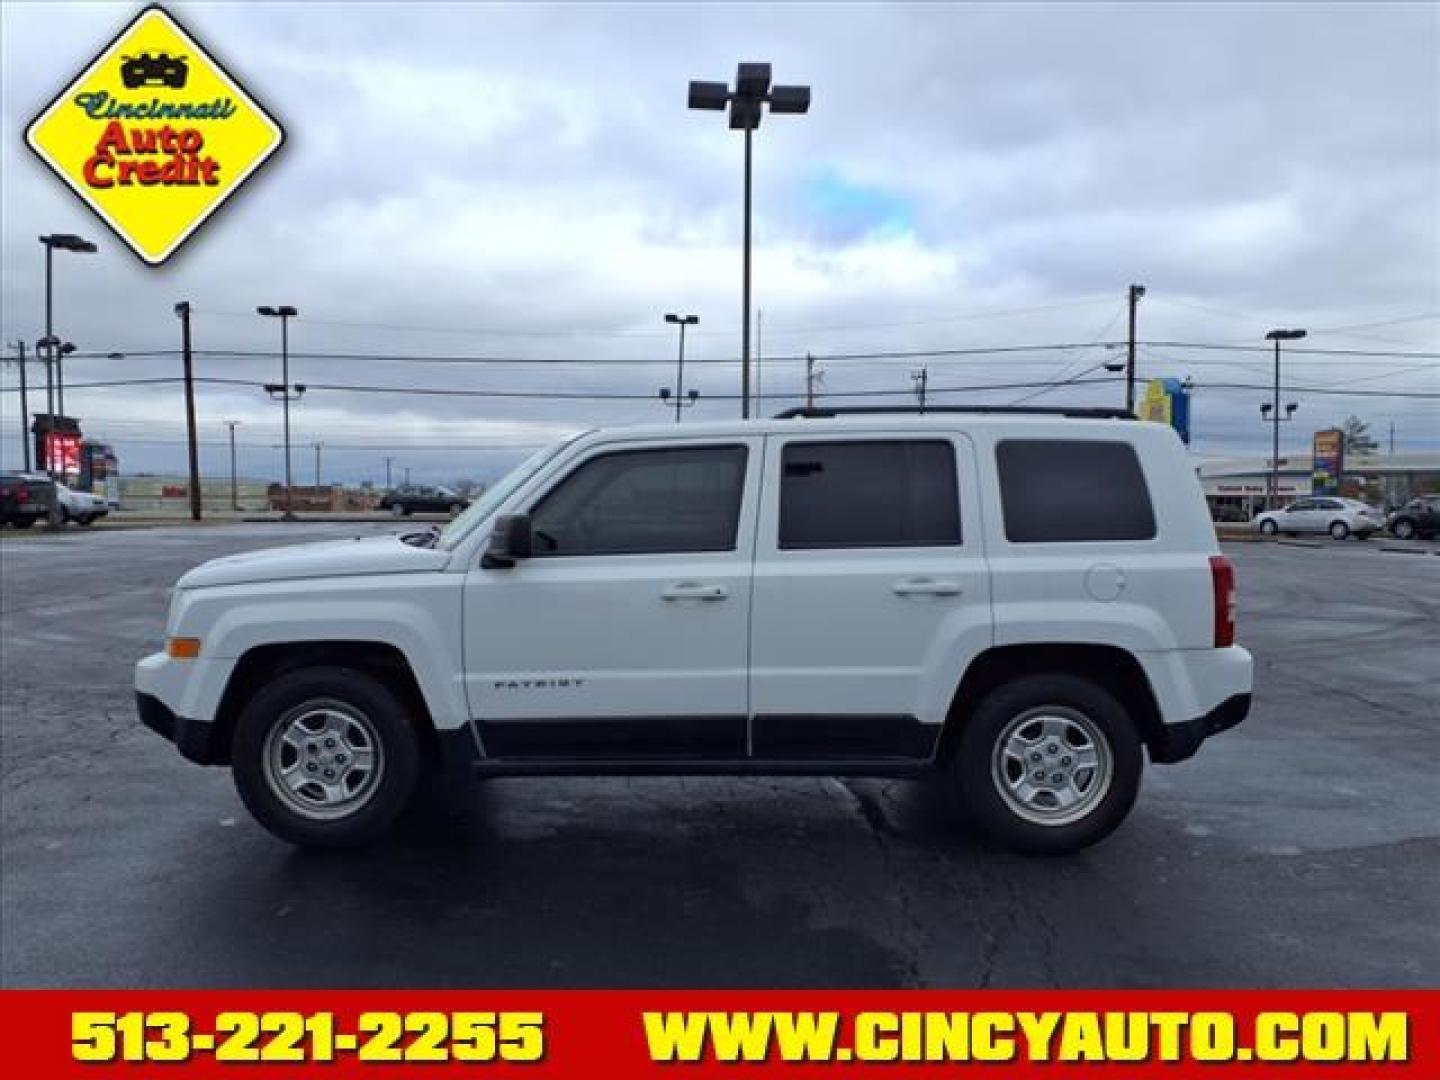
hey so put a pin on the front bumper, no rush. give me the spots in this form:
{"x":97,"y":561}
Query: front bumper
{"x":1176,"y":742}
{"x":195,"y":739}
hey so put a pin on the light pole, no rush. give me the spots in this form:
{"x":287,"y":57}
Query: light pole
{"x":1271,"y":412}
{"x":1136,"y":292}
{"x":746,"y":102}
{"x":921,"y":379}
{"x":54,"y":349}
{"x":63,"y":242}
{"x":681,"y":321}
{"x":25,"y":410}
{"x":284,"y":392}
{"x":317,"y":446}
{"x":234,"y":480}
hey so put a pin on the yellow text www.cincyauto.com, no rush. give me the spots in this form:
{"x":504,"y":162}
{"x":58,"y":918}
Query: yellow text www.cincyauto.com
{"x":1058,"y":1036}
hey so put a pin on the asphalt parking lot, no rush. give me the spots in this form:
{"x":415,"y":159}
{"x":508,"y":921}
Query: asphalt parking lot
{"x":1301,"y":849}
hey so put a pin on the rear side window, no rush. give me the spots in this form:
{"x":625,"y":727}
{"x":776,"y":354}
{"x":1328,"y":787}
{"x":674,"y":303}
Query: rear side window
{"x":645,"y":502}
{"x":1072,"y":491}
{"x":869,"y":494}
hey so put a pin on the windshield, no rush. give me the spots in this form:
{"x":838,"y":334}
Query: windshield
{"x":498,"y":492}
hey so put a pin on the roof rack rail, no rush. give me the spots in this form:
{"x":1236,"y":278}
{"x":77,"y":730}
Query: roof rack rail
{"x":815,"y":412}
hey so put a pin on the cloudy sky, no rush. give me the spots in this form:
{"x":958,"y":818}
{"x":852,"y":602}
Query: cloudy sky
{"x":522,"y":188}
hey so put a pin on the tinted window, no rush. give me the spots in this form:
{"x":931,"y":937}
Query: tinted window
{"x":1069,"y":490}
{"x":869,"y":494}
{"x":637,"y":502}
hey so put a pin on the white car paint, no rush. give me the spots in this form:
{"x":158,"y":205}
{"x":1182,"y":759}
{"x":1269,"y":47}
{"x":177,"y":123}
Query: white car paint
{"x":815,"y":632}
{"x":1321,"y":514}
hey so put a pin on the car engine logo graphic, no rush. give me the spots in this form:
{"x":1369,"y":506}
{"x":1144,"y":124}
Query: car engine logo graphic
{"x":158,"y":70}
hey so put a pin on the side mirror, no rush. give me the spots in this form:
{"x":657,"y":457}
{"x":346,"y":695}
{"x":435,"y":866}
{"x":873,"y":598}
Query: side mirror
{"x":510,"y":540}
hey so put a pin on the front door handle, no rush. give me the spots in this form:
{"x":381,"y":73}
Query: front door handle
{"x":922,"y":586}
{"x":694,"y":590}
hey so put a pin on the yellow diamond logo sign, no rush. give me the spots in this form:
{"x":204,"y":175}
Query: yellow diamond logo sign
{"x":154,"y":135}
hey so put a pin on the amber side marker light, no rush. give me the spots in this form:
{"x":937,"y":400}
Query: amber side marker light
{"x":182,"y":648}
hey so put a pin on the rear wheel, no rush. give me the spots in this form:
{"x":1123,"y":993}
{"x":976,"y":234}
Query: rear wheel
{"x":1339,"y":530}
{"x":1269,"y":528}
{"x":325,"y":757}
{"x":396,"y":510}
{"x":1403,"y":529}
{"x":1048,"y":764}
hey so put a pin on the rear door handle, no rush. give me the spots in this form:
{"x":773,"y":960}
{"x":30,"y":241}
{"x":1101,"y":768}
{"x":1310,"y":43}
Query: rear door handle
{"x":693,"y":590}
{"x":926,"y":587}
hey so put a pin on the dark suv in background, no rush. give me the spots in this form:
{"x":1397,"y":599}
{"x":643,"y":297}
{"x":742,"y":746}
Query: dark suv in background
{"x":1417,"y":518}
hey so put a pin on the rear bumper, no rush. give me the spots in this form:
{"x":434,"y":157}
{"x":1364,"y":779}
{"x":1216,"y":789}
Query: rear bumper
{"x":195,"y":739}
{"x":1176,"y":742}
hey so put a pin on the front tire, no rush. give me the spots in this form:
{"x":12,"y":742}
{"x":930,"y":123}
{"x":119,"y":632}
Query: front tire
{"x":1339,"y":530}
{"x":1403,"y":529}
{"x":396,"y":510}
{"x":1269,"y":528}
{"x":325,"y":757}
{"x":1048,"y":764}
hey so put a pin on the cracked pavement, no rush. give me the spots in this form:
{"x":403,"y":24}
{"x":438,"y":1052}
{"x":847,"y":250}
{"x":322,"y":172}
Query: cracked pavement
{"x":1301,"y":849}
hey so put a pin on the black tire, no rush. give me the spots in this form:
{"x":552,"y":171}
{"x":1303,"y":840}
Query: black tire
{"x":1404,"y":529}
{"x":1269,"y":528}
{"x":1339,"y":530}
{"x":396,"y":747}
{"x":23,"y":522}
{"x":87,"y":520}
{"x":396,"y":510}
{"x":976,"y":760}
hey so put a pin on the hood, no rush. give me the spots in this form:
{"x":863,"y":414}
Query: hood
{"x":328,"y":558}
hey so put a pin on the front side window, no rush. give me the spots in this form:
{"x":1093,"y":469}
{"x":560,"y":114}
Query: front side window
{"x":869,"y":494}
{"x":1072,"y":491}
{"x":644,"y":502}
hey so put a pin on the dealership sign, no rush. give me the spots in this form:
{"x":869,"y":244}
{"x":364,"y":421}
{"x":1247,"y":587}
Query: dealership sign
{"x":154,"y":135}
{"x":1329,"y":462}
{"x":1167,"y":401}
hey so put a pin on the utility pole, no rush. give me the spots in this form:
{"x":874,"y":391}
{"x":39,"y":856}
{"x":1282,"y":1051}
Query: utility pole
{"x":812,"y":379}
{"x":317,"y":446}
{"x":1392,"y":422}
{"x":921,"y":379}
{"x":388,"y":460}
{"x":407,"y":476}
{"x":1136,"y":292}
{"x":234,"y":480}
{"x":25,"y":408}
{"x":182,"y":309}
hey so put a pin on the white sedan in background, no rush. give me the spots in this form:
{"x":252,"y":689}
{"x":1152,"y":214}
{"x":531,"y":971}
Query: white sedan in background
{"x":1338,"y":517}
{"x":81,"y":507}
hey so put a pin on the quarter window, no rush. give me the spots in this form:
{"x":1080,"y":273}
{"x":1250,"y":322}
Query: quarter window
{"x":1068,"y":490}
{"x":869,"y":494}
{"x":645,"y":502}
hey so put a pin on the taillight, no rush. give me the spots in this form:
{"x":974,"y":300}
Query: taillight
{"x":22,"y":494}
{"x":1222,"y":584}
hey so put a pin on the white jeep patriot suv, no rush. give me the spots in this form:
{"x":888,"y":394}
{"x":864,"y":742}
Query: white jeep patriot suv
{"x":1023,"y":603}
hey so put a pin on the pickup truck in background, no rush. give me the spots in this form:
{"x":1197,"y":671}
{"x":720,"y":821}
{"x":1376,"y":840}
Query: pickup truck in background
{"x":26,"y":498}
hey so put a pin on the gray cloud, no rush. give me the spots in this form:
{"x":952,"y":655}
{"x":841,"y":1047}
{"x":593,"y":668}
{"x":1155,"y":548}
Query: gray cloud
{"x":525,"y":181}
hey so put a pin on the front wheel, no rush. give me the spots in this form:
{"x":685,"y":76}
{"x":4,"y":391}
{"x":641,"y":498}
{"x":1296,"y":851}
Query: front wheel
{"x":325,"y":757}
{"x":1339,"y":530}
{"x":1269,"y":528}
{"x":1403,"y":529}
{"x":1048,"y":764}
{"x":396,"y":510}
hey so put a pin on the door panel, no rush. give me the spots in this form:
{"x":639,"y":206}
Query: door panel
{"x":851,"y":643}
{"x":618,"y":654}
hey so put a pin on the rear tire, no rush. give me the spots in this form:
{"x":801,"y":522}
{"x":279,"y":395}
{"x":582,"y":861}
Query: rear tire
{"x":1403,"y":529}
{"x":396,"y":510}
{"x":1269,"y":528}
{"x":1079,"y":788}
{"x":325,"y":757}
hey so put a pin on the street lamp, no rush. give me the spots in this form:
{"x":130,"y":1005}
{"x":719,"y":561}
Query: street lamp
{"x":80,"y":246}
{"x":747,"y":101}
{"x":283,"y":391}
{"x":1271,"y":412}
{"x":681,"y":321}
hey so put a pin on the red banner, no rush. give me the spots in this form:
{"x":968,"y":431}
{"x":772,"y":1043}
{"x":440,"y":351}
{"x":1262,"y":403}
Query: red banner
{"x":583,"y":1035}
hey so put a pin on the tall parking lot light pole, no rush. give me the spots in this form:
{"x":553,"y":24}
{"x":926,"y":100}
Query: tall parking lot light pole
{"x":63,"y":242}
{"x":1273,"y":412}
{"x":234,"y":479}
{"x":747,"y":101}
{"x":681,"y":321}
{"x":285,"y":392}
